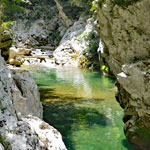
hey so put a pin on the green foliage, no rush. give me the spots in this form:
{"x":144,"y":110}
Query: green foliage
{"x":8,"y":24}
{"x":55,"y":36}
{"x":1,"y":107}
{"x":93,"y":43}
{"x":95,"y":4}
{"x":12,"y":7}
{"x":38,"y":10}
{"x":90,"y":55}
{"x":139,"y":31}
{"x":83,"y":2}
{"x":105,"y":69}
{"x":124,"y":3}
{"x":5,"y":143}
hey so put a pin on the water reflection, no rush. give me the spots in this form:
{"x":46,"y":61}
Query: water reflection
{"x":81,"y":105}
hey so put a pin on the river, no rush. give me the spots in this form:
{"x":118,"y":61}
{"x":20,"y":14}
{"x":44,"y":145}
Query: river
{"x":81,"y":105}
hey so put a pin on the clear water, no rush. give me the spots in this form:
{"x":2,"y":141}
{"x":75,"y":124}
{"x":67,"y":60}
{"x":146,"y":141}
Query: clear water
{"x":81,"y":105}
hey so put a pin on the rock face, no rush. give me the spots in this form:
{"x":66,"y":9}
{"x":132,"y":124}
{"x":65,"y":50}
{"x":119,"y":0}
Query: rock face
{"x":38,"y":25}
{"x":124,"y":29}
{"x":5,"y":38}
{"x":67,"y":21}
{"x":76,"y":45}
{"x":20,"y":110}
{"x":27,"y":99}
{"x":5,"y":42}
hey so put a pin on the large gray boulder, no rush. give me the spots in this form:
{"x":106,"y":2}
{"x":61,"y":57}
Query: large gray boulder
{"x":20,"y":111}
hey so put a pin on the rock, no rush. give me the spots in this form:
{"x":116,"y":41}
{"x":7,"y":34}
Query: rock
{"x":5,"y":42}
{"x":67,"y":21}
{"x":15,"y":55}
{"x":15,"y":62}
{"x":125,"y":34}
{"x":47,"y":135}
{"x":27,"y":99}
{"x":1,"y":147}
{"x":19,"y":99}
{"x":134,"y":97}
{"x":77,"y":39}
{"x":125,"y":48}
{"x":14,"y":52}
{"x":39,"y":31}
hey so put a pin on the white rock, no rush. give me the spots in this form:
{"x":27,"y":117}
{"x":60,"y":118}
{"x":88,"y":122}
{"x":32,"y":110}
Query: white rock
{"x":1,"y":147}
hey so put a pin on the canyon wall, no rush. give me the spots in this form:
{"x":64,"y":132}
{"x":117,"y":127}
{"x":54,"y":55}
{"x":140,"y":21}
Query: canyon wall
{"x":124,"y":28}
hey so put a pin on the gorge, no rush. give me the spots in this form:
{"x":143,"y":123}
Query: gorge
{"x":114,"y":37}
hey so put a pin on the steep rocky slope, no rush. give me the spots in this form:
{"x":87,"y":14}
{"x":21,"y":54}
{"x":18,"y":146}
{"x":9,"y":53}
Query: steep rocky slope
{"x":42,"y":22}
{"x":79,"y":45}
{"x":124,"y":27}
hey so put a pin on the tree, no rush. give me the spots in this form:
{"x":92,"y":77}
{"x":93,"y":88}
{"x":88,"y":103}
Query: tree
{"x":5,"y":36}
{"x":11,"y":7}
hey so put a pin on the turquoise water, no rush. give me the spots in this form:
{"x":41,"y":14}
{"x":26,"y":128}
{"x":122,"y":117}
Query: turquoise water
{"x":81,"y":105}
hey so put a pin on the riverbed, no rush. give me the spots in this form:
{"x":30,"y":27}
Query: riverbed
{"x":81,"y":105}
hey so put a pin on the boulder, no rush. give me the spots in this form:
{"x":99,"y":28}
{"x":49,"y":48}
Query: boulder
{"x":15,"y":55}
{"x":15,"y":62}
{"x":27,"y":98}
{"x":20,"y":107}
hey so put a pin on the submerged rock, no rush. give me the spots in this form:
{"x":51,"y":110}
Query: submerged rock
{"x":124,"y":29}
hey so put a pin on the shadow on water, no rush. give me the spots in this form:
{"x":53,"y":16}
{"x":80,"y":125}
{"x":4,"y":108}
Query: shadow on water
{"x":60,"y":111}
{"x":126,"y":144}
{"x":79,"y":105}
{"x":63,"y":116}
{"x":48,"y":93}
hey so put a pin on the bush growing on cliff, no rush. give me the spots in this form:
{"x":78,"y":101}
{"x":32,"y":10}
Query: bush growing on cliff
{"x":124,"y":3}
{"x":11,"y":8}
{"x":5,"y":143}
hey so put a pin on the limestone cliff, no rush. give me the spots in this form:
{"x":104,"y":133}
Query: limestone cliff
{"x":42,"y":22}
{"x":124,"y":27}
{"x":5,"y":38}
{"x":79,"y":45}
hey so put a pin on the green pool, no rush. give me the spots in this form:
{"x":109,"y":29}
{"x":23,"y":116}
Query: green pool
{"x":81,"y":105}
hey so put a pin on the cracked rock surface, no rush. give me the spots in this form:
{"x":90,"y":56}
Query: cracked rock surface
{"x":125,"y":48}
{"x":20,"y":111}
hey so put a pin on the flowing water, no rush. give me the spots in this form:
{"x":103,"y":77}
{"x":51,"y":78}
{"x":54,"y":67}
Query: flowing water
{"x":81,"y":105}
